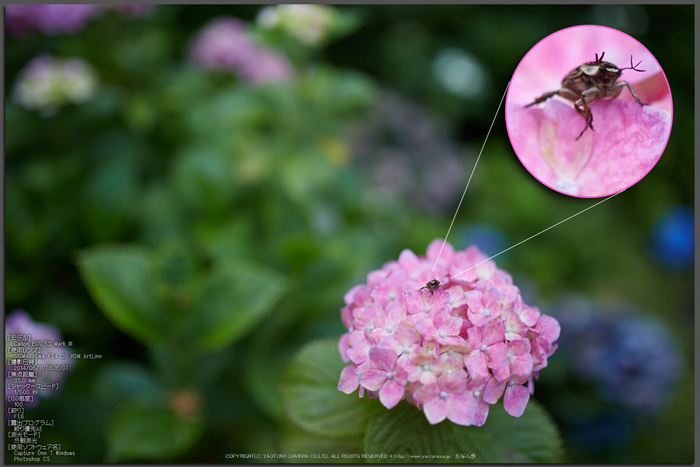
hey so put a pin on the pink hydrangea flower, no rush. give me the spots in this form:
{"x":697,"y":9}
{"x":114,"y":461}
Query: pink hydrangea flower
{"x":134,"y":9}
{"x":53,"y":19}
{"x":225,"y":44}
{"x":451,"y":351}
{"x":628,"y":139}
{"x":49,"y":19}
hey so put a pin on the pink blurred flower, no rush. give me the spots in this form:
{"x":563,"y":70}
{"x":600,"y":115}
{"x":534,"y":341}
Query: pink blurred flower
{"x":628,"y":139}
{"x":49,"y":19}
{"x":225,"y":44}
{"x":60,"y":18}
{"x":134,"y":9}
{"x":449,"y":352}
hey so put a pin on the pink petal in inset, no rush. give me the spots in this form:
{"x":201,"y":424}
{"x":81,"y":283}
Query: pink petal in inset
{"x":559,"y":127}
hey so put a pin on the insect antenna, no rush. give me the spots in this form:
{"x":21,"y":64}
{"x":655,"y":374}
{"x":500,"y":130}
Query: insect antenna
{"x":632,"y":67}
{"x":598,"y":60}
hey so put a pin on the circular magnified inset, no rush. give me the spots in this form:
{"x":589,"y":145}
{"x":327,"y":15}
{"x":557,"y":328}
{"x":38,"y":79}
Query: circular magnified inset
{"x":589,"y":111}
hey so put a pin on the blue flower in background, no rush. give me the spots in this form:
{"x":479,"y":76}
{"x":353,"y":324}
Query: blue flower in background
{"x":631,"y":359}
{"x":673,"y":238}
{"x":601,"y":432}
{"x":490,"y":240}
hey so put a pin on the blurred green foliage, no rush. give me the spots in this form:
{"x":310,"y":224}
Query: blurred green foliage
{"x":196,"y":231}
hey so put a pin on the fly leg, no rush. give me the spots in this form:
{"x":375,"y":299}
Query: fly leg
{"x":543,"y":98}
{"x":563,"y":92}
{"x":619,"y":86}
{"x":583,"y":110}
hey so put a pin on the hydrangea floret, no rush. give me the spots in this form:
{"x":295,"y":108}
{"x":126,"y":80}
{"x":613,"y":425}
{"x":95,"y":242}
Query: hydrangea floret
{"x":451,"y":351}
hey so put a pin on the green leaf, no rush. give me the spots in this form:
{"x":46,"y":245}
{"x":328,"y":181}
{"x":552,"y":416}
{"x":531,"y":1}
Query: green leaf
{"x":404,"y":434}
{"x":533,"y":437}
{"x":121,"y":380}
{"x":267,"y":358}
{"x":204,"y":177}
{"x":119,"y":280}
{"x":110,"y":192}
{"x":149,"y":433}
{"x":311,"y":397}
{"x":235,"y":297}
{"x":345,"y":24}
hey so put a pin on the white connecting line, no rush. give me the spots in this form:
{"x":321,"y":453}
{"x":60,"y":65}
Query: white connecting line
{"x":465,"y":192}
{"x":520,"y":243}
{"x":470,"y":176}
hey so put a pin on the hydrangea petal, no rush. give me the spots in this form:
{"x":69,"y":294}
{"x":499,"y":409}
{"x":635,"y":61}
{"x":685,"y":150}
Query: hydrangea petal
{"x":481,"y":412}
{"x":435,"y":410}
{"x":516,"y":399}
{"x":349,"y":379}
{"x":493,"y":391}
{"x":343,"y":347}
{"x":440,"y":248}
{"x":409,"y":261}
{"x":391,"y":394}
{"x":497,"y":355}
{"x":530,"y":315}
{"x":476,"y":364}
{"x":455,"y":382}
{"x":374,"y":372}
{"x":462,"y":408}
{"x":626,"y":143}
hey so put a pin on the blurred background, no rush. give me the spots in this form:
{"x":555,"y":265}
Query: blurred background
{"x":190,"y":190}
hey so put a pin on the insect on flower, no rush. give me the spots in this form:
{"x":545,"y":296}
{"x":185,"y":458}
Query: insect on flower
{"x":432,"y":285}
{"x":590,"y":82}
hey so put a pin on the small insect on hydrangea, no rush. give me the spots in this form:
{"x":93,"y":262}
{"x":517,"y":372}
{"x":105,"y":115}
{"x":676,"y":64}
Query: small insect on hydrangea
{"x":589,"y":82}
{"x":432,"y":285}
